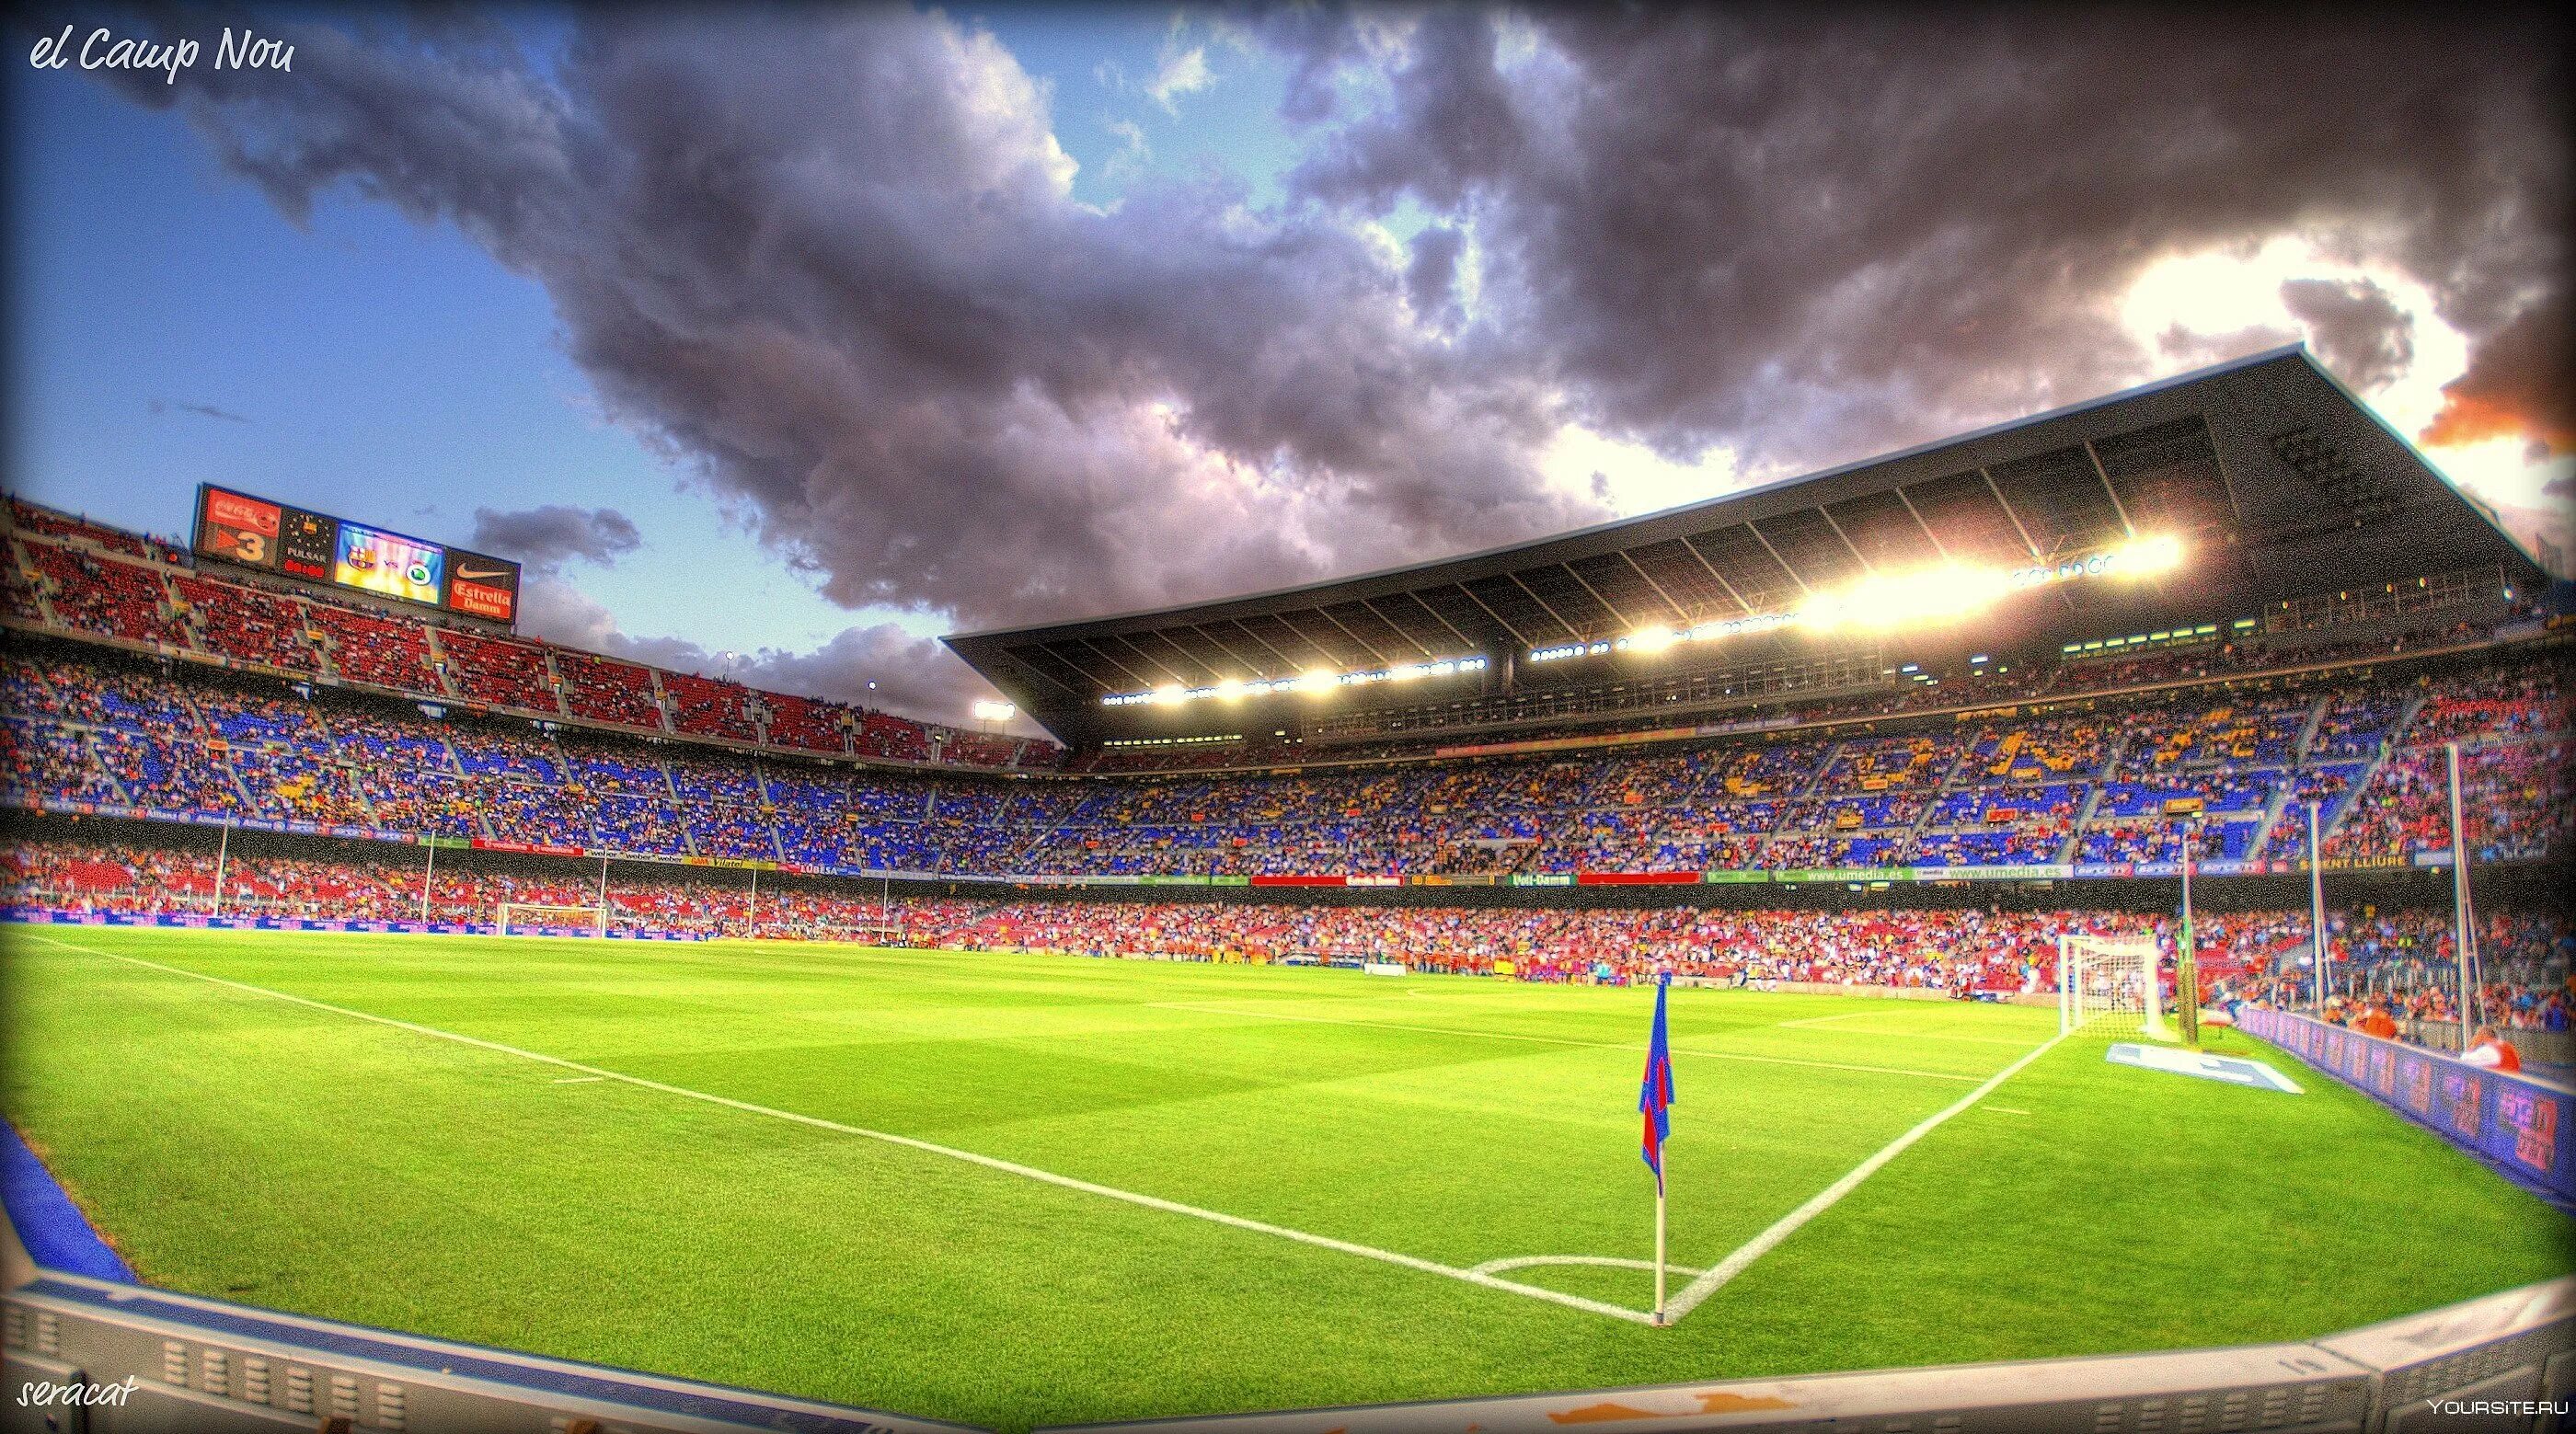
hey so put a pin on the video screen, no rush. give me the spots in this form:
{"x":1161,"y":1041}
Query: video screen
{"x":385,"y":563}
{"x":238,"y":528}
{"x":478,"y":586}
{"x":308,"y":544}
{"x":278,"y":537}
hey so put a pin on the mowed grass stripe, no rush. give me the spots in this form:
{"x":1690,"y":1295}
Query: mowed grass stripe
{"x":1025,"y":1172}
{"x":1339,"y":1106}
{"x":1342,"y":1125}
{"x":1558,"y":1041}
{"x":247,"y":1147}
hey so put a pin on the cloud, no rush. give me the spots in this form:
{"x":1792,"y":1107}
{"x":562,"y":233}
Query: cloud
{"x":545,"y":538}
{"x":833,"y":268}
{"x":1431,"y":279}
{"x":1817,"y":234}
{"x":878,"y":665}
{"x":828,"y":261}
{"x":1132,"y":153}
{"x":2355,"y":328}
{"x":1179,"y":70}
{"x":2517,"y":385}
{"x":202,"y":410}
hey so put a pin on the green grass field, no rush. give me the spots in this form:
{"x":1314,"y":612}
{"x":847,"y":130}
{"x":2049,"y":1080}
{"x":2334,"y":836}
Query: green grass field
{"x":237,"y":1144}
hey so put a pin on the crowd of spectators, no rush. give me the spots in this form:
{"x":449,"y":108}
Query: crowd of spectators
{"x":2109,"y":785}
{"x":2404,"y":959}
{"x":100,"y":582}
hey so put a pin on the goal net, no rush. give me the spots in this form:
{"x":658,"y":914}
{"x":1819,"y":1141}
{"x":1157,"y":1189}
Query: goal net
{"x":531,"y":916}
{"x":2109,"y":985}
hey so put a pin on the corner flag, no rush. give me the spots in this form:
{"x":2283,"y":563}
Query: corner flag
{"x":1654,"y":1099}
{"x":1655,"y":1096}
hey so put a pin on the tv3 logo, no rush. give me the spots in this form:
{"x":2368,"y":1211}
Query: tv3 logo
{"x":2533,"y":1118}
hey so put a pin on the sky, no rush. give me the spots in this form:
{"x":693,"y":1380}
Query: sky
{"x":778,"y":342}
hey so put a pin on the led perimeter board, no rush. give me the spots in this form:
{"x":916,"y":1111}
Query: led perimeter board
{"x":274,"y":537}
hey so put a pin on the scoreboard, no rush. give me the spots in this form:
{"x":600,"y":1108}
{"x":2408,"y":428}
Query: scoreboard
{"x":278,"y":538}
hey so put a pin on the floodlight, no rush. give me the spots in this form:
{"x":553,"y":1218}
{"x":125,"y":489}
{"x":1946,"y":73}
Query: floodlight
{"x":2145,"y":557}
{"x":1169,"y":694}
{"x":1318,"y":681}
{"x":986,"y":710}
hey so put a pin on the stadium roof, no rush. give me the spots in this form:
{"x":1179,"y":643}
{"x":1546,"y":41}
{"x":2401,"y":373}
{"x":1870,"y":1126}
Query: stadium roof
{"x":2274,"y":479}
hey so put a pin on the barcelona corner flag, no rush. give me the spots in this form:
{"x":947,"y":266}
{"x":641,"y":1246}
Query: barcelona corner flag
{"x":1655,"y":1096}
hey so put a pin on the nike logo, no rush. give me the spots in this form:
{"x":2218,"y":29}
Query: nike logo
{"x":476,"y":575}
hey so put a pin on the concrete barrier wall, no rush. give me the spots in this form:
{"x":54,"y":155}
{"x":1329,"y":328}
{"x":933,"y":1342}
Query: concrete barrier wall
{"x":2505,"y":1361}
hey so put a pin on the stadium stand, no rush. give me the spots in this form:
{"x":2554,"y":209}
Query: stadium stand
{"x":67,"y":576}
{"x":603,"y":689}
{"x":2000,"y":792}
{"x":247,"y":625}
{"x":705,"y":707}
{"x":2403,"y":954}
{"x":498,"y":674}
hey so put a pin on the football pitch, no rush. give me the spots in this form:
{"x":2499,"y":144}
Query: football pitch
{"x":1017,"y":1190}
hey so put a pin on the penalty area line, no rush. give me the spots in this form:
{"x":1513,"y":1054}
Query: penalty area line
{"x":1476,"y":1277}
{"x":1724,"y":1271}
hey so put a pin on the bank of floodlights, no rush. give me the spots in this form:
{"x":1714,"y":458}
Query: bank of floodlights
{"x":1886,"y":602}
{"x":1315,"y":682}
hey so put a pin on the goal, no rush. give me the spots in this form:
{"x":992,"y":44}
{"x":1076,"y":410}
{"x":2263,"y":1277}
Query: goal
{"x":527,"y":916}
{"x":2109,"y":984}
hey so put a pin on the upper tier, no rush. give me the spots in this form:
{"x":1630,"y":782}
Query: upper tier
{"x":80,"y":579}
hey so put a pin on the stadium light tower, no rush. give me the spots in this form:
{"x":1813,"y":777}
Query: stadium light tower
{"x":2317,"y":946}
{"x":2464,"y":933}
{"x":2187,"y":951}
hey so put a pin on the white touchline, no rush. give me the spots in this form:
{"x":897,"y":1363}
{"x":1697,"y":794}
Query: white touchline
{"x":1026,"y":1172}
{"x":1735,"y":1264}
{"x":1556,"y":1041}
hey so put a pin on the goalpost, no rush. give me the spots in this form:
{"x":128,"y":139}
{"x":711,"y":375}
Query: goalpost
{"x":2110,"y":984}
{"x":539,"y":916}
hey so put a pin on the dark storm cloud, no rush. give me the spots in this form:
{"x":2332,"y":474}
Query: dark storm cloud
{"x":547,"y":537}
{"x":2355,"y":328}
{"x":829,"y":261}
{"x":2521,"y":382}
{"x":1821,"y":233}
{"x":1430,"y":277}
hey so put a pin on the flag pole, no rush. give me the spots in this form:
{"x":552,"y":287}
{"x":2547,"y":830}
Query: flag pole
{"x":1659,"y":1245}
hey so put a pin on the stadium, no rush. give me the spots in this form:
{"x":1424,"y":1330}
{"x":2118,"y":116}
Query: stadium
{"x":456,"y":1029}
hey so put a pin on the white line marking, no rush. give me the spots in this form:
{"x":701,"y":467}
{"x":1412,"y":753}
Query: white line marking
{"x":1751,"y":1250}
{"x":1557,"y":1041}
{"x":2007,"y":1110}
{"x":1027,"y":1172}
{"x":579,"y":1080}
{"x":1496,"y":1267}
